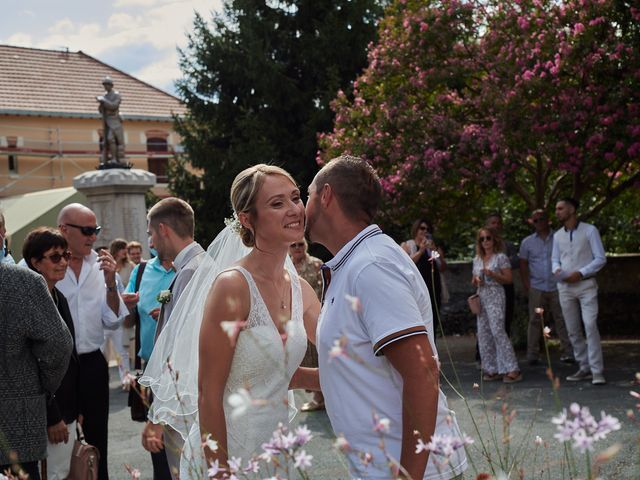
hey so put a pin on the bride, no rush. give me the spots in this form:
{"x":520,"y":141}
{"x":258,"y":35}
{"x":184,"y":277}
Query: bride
{"x":250,"y":315}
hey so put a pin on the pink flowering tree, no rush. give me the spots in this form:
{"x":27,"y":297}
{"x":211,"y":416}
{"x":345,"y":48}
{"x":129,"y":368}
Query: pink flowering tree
{"x":537,"y":99}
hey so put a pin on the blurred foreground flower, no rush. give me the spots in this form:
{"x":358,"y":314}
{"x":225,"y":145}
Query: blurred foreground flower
{"x":582,"y":428}
{"x":443,"y":445}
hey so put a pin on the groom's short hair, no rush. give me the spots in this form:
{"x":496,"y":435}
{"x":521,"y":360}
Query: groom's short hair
{"x":355,"y":184}
{"x":175,"y":213}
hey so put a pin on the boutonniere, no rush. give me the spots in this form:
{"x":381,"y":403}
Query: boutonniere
{"x":164,"y":297}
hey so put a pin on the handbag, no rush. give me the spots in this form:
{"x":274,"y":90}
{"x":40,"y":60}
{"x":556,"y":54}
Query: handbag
{"x":474,"y":304}
{"x":84,"y":459}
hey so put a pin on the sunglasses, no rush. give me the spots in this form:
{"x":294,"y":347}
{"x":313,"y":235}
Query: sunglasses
{"x":422,"y":228}
{"x":86,"y":231}
{"x":483,"y":239}
{"x":538,"y":220}
{"x":297,"y":245}
{"x":56,"y":257}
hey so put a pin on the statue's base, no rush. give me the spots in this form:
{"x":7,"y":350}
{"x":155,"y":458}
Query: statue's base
{"x":111,"y":164}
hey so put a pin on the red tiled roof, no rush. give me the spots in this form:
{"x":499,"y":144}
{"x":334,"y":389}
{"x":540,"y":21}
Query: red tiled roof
{"x":47,"y":82}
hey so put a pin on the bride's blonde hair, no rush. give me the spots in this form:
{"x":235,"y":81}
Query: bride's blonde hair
{"x":244,"y":191}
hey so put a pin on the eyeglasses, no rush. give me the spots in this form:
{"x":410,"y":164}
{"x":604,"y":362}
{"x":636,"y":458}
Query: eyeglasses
{"x":485,"y":239}
{"x":56,"y":257}
{"x":86,"y":231}
{"x":297,"y":245}
{"x":422,"y":227}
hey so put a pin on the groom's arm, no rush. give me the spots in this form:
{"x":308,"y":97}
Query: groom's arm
{"x":413,"y":358}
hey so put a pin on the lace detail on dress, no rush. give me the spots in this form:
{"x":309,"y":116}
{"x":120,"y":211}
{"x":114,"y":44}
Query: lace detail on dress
{"x":259,"y":313}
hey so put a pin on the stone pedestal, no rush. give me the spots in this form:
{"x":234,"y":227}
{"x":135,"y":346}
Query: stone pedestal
{"x":117,"y":198}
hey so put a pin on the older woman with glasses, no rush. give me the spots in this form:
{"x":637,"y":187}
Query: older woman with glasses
{"x":45,"y":251}
{"x":308,"y":267}
{"x":491,"y":270}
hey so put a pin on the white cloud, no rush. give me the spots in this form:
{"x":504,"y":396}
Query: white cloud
{"x":119,"y":21}
{"x":20,"y":40}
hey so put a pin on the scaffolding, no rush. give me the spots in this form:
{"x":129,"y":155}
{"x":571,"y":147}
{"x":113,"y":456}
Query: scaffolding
{"x":65,"y":148}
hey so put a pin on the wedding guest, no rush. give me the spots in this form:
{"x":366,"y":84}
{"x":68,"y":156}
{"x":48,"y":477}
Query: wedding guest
{"x":134,"y":250}
{"x":491,"y":270}
{"x":119,"y":252}
{"x":578,"y":254}
{"x":429,"y":259}
{"x":89,"y":286}
{"x":308,"y":267}
{"x":377,"y":313}
{"x":542,"y":288}
{"x":494,"y":221}
{"x":5,"y":255}
{"x":35,"y":346}
{"x":45,"y":251}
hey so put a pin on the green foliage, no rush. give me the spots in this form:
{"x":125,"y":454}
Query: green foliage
{"x":258,"y":80}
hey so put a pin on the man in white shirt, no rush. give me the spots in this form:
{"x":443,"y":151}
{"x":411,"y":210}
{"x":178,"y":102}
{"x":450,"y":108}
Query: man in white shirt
{"x":577,"y":256}
{"x":90,"y":289}
{"x":378,"y":363}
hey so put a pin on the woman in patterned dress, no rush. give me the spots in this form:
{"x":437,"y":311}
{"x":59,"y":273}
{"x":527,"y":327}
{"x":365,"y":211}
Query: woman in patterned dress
{"x":492,"y":269}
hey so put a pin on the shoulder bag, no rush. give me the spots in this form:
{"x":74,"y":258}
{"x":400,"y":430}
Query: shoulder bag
{"x":84,"y":458}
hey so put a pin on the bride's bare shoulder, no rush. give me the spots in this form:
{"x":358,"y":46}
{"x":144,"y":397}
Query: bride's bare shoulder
{"x":229,"y":291}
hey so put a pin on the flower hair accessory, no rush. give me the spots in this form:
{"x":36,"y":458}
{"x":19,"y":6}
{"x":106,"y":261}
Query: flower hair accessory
{"x":233,"y":222}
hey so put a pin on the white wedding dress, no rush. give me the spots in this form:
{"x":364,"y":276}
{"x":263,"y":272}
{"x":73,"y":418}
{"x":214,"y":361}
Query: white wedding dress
{"x":263,"y":365}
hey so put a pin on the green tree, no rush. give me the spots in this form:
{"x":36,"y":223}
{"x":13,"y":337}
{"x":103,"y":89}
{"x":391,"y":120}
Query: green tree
{"x":257,"y":81}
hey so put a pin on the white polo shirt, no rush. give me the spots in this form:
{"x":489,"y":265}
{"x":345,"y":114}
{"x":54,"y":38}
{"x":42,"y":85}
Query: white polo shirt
{"x":393,"y":303}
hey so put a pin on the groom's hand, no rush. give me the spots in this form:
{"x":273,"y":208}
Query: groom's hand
{"x":152,"y":437}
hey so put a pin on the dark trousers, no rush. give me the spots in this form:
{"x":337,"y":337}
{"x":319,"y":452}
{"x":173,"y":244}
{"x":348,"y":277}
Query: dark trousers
{"x":30,"y":468}
{"x":160,"y":466}
{"x":93,"y":392}
{"x":510,"y":295}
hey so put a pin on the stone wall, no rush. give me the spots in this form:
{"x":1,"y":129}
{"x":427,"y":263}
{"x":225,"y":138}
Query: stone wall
{"x":619,"y":297}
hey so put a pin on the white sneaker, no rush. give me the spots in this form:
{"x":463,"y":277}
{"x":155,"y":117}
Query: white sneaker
{"x":598,"y":379}
{"x":578,"y":376}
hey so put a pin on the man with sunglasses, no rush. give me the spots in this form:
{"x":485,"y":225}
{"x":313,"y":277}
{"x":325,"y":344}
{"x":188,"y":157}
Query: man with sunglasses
{"x":90,"y":288}
{"x":542,"y":288}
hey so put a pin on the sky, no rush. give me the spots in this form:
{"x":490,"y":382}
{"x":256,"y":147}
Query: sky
{"x":139,"y":37}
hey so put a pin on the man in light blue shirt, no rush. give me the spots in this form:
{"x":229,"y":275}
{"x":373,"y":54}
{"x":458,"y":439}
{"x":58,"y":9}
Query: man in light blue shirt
{"x":542,"y":288}
{"x":577,"y":256}
{"x":157,"y":276}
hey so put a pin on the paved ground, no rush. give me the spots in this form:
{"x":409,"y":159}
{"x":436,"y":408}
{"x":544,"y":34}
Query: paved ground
{"x":532,"y":400}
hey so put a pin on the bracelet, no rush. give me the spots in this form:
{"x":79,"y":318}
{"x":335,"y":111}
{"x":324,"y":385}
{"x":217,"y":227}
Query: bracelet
{"x":111,"y":289}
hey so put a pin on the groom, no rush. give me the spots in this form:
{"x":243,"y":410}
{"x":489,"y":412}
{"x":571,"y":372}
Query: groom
{"x":378,"y":363}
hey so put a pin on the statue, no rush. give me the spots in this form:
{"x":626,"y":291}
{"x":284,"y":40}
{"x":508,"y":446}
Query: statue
{"x":113,"y":136}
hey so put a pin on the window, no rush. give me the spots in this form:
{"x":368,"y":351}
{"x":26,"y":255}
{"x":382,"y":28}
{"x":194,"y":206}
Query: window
{"x":158,"y":151}
{"x":13,"y":164}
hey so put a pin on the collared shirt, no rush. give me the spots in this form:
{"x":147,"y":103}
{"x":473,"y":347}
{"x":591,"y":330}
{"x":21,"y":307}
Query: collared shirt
{"x":87,"y":298}
{"x":578,"y":250}
{"x":155,"y":278}
{"x":376,"y":297}
{"x":537,"y":252}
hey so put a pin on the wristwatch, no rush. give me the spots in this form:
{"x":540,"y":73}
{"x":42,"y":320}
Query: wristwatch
{"x":111,"y":289}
